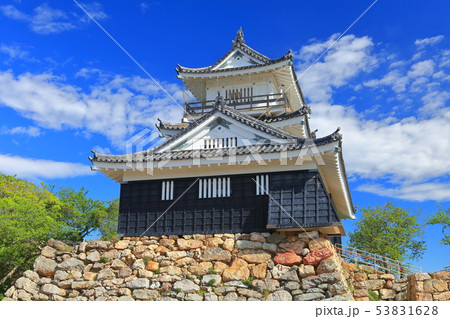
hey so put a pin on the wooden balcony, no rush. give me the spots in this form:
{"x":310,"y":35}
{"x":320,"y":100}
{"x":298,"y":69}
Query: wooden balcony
{"x":258,"y":103}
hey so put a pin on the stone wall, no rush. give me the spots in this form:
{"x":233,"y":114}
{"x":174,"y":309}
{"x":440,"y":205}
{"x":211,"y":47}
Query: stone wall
{"x":428,"y":287}
{"x":257,"y":266}
{"x":369,"y":285}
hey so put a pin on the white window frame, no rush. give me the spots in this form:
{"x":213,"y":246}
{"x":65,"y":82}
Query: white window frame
{"x":262,"y":184}
{"x":167,"y":190}
{"x":214,"y":187}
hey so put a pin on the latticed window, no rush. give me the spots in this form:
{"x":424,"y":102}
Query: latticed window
{"x":210,"y":143}
{"x":167,"y":190}
{"x":262,"y":184}
{"x":214,"y":187}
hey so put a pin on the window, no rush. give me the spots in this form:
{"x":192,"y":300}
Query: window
{"x":239,"y":95}
{"x":214,"y":187}
{"x":210,"y":143}
{"x":262,"y":184}
{"x":167,"y":190}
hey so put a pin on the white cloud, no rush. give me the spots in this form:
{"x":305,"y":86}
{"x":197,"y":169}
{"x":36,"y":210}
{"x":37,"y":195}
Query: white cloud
{"x":15,"y":52}
{"x":346,"y":59}
{"x":144,"y":6}
{"x":47,"y":20}
{"x":101,"y":149}
{"x":95,"y":10}
{"x":428,"y":41}
{"x":41,"y":169}
{"x":407,"y":152}
{"x":418,"y":192}
{"x":20,"y":130}
{"x":434,"y":101}
{"x":115,"y":109}
{"x":11,"y":12}
{"x":86,"y":73}
{"x":393,"y":79}
{"x":422,"y":68}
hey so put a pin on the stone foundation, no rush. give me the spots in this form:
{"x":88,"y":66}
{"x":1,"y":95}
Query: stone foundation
{"x":257,"y":266}
{"x":370,"y":285}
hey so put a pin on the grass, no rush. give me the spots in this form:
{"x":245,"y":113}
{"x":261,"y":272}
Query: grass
{"x":212,"y":271}
{"x":266,"y":292}
{"x":157,"y":271}
{"x":146,"y":260}
{"x":373,"y":296}
{"x":350,"y":286}
{"x":248,"y":281}
{"x":212,"y":282}
{"x":104,"y":260}
{"x":162,"y":292}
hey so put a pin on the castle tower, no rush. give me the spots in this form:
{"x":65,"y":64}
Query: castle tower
{"x":242,"y":158}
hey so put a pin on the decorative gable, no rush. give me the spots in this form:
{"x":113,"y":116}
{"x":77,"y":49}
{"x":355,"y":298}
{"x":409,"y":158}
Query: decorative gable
{"x":225,"y":128}
{"x":223,"y":132}
{"x":236,"y":59}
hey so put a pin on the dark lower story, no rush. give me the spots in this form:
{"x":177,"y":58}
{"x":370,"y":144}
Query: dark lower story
{"x":227,"y":204}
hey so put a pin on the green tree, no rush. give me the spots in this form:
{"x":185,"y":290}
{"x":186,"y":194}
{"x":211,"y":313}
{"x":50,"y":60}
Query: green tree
{"x":29,"y":216}
{"x":441,"y":217}
{"x":84,"y":216}
{"x":389,"y":231}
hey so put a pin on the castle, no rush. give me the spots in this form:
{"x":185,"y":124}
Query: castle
{"x":242,"y":159}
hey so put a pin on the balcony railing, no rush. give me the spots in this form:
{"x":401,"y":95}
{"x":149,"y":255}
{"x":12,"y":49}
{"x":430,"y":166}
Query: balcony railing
{"x":254,"y":102}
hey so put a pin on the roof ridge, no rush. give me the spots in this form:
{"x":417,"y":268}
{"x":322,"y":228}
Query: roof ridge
{"x":257,"y":121}
{"x":261,"y":148}
{"x":285,"y":116}
{"x":238,"y":43}
{"x":223,"y":109}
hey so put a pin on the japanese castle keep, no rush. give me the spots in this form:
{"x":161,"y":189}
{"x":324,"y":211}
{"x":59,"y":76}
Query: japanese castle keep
{"x":243,"y":158}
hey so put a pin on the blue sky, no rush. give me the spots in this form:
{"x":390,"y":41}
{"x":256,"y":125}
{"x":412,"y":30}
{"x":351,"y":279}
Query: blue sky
{"x":66,"y":87}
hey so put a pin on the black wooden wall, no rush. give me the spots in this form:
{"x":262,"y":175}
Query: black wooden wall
{"x":299,"y":199}
{"x":301,"y":194}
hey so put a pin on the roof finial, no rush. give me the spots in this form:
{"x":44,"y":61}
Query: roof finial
{"x":239,"y":37}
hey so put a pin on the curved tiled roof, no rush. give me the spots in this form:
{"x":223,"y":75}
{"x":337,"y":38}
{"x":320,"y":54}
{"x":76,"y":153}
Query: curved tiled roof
{"x":171,"y":126}
{"x":285,"y":116}
{"x":241,"y":117}
{"x":210,"y":69}
{"x":268,"y":119}
{"x":151,"y":155}
{"x":238,"y":43}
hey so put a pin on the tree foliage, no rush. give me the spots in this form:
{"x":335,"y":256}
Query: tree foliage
{"x":84,"y":215}
{"x":30,"y":215}
{"x":389,"y":231}
{"x":441,"y":217}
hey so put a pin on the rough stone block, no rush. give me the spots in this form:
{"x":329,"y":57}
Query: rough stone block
{"x":280,"y":295}
{"x":287,"y":259}
{"x":387,"y":294}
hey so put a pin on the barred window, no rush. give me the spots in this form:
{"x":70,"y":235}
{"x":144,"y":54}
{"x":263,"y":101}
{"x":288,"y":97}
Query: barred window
{"x":262,"y":184}
{"x":214,"y":187}
{"x":167,"y":190}
{"x":209,"y":143}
